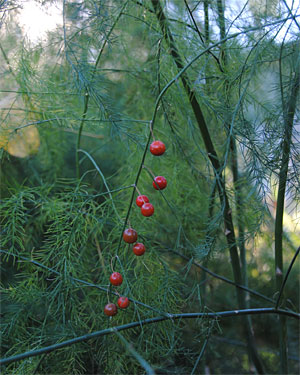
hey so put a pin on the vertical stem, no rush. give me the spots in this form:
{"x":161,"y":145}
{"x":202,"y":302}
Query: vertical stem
{"x":212,"y":201}
{"x":87,"y":94}
{"x":286,"y":277}
{"x":210,"y":215}
{"x":207,"y":37}
{"x":212,"y":197}
{"x":211,"y":152}
{"x":221,"y":21}
{"x":252,"y":349}
{"x":234,"y":159}
{"x":212,"y":155}
{"x":286,"y":146}
{"x":206,"y":22}
{"x":239,"y":209}
{"x":8,"y":63}
{"x":84,"y":113}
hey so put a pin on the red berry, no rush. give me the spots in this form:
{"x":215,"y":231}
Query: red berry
{"x":147,"y":209}
{"x":141,"y":199}
{"x":139,"y":249}
{"x":160,"y":181}
{"x":123,"y":302}
{"x":130,"y":235}
{"x":116,"y":278}
{"x":110,"y":309}
{"x":157,"y":148}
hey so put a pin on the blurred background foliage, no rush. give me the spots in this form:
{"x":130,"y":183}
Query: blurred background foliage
{"x":113,"y":53}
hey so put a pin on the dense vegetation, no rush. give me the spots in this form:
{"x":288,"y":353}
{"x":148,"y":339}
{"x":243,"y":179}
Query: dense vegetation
{"x":219,"y":86}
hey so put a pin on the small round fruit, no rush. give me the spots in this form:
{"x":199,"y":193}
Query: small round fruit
{"x":130,"y":235}
{"x":139,"y":249}
{"x":141,"y":199}
{"x":123,"y":302}
{"x":157,"y":148}
{"x":160,"y":181}
{"x":110,"y":309}
{"x":147,"y":209}
{"x":116,"y":279}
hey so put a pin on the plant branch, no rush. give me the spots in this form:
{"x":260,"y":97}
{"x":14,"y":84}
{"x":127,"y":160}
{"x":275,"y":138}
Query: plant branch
{"x":170,"y":19}
{"x":212,"y":155}
{"x":200,"y":35}
{"x":247,"y":324}
{"x":286,"y":277}
{"x":200,"y":356}
{"x":8,"y":64}
{"x":149,"y":370}
{"x":208,"y":334}
{"x":283,"y":173}
{"x":87,"y":94}
{"x":108,"y":331}
{"x":286,"y":145}
{"x":289,"y":10}
{"x":206,"y":21}
{"x":211,"y":152}
{"x":80,"y":281}
{"x":104,"y":181}
{"x":228,"y":281}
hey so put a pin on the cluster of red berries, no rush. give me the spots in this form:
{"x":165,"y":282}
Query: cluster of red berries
{"x":157,"y":148}
{"x":111,"y":309}
{"x":130,"y":235}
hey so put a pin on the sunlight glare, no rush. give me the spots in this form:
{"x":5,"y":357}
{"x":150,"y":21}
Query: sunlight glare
{"x":37,"y":20}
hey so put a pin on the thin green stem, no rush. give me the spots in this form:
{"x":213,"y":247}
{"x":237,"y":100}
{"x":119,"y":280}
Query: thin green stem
{"x":149,"y":370}
{"x":8,"y":64}
{"x":87,"y":94}
{"x":108,"y":331}
{"x":221,"y":21}
{"x":212,"y":155}
{"x":206,"y":22}
{"x":104,"y":181}
{"x":247,"y":324}
{"x":283,"y":174}
{"x":211,"y":205}
{"x":85,"y":109}
{"x":200,"y":356}
{"x":228,"y":281}
{"x":289,"y":10}
{"x":200,"y":35}
{"x":87,"y":283}
{"x":283,"y":180}
{"x":211,"y":152}
{"x":286,"y":277}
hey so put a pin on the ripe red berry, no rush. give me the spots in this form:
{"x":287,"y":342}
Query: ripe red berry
{"x":139,"y":249}
{"x":110,"y":309}
{"x":116,"y":278}
{"x":141,"y":199}
{"x":130,"y":235}
{"x":157,"y":148}
{"x":160,"y":181}
{"x":147,"y":209}
{"x":123,"y":302}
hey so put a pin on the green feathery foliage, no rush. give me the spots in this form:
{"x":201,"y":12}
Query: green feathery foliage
{"x":78,"y":112}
